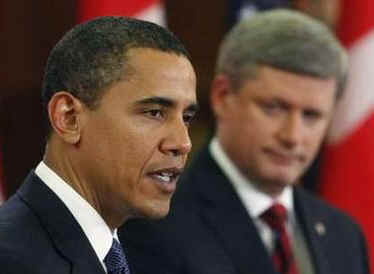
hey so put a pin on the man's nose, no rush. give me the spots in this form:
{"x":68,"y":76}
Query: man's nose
{"x":177,"y":141}
{"x":291,"y":130}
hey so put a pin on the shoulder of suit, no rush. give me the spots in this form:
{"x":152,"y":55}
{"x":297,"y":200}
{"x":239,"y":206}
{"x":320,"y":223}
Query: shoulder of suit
{"x":324,"y":208}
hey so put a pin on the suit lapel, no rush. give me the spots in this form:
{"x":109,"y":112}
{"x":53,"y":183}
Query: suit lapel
{"x":230,"y":221}
{"x":314,"y":228}
{"x":240,"y":240}
{"x":64,"y":231}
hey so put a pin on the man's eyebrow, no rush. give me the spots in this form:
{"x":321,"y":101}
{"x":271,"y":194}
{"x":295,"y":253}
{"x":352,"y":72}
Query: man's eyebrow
{"x":166,"y":102}
{"x":156,"y":101}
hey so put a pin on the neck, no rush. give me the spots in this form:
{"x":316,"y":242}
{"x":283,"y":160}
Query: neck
{"x":64,"y":165}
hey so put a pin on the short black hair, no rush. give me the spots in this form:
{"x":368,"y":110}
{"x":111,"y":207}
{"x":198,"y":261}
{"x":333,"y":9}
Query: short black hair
{"x":92,"y":56}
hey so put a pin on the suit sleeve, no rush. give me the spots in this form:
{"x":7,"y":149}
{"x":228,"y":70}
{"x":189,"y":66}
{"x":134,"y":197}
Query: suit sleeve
{"x":365,"y":256}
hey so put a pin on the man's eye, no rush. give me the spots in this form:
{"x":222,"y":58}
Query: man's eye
{"x":188,"y":118}
{"x":270,"y":107}
{"x":157,"y":113}
{"x":312,"y":115}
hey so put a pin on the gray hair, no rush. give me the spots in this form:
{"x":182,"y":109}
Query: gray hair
{"x":92,"y":56}
{"x":283,"y":39}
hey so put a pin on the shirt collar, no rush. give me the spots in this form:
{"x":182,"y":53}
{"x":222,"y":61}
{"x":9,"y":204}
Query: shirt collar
{"x":93,"y":225}
{"x":255,"y":201}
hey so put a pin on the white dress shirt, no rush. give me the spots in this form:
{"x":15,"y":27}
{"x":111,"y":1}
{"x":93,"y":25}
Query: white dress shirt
{"x":257,"y":202}
{"x":93,"y":225}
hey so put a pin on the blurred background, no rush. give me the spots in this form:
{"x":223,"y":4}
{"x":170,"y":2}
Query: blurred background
{"x":343,"y":172}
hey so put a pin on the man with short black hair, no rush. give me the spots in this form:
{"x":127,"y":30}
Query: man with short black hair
{"x":119,"y":95}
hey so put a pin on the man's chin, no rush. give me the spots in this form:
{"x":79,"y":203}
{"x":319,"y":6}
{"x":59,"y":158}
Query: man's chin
{"x":157,"y":215}
{"x":153,"y":212}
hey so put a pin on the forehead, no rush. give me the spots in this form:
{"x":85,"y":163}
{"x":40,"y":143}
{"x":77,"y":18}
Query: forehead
{"x":152,"y":73}
{"x":150,"y":64}
{"x":165,"y":70}
{"x":292,"y":88}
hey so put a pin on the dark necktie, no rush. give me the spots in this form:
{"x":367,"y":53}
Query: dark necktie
{"x":282,"y":256}
{"x":115,"y":261}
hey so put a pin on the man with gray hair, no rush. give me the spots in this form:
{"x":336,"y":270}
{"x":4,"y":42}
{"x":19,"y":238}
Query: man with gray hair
{"x":119,"y":95}
{"x":238,"y":209}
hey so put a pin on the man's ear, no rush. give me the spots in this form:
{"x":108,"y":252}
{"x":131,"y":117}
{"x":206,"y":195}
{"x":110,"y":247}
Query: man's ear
{"x":65,"y":111}
{"x":220,"y":94}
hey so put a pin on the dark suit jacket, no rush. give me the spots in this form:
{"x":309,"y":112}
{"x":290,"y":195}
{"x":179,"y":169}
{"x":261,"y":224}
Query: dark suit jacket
{"x":38,"y":235}
{"x":208,"y":231}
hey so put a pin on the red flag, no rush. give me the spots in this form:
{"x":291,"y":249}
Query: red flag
{"x":150,"y":10}
{"x":347,"y":174}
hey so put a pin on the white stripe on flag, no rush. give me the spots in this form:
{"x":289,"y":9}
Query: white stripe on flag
{"x":155,"y":13}
{"x":359,"y":94}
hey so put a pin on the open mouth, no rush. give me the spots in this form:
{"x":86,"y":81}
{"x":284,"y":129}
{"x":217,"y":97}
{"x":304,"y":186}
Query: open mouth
{"x":166,"y":178}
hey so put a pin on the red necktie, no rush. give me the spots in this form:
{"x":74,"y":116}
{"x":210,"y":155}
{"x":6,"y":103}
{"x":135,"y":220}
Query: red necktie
{"x":282,"y":256}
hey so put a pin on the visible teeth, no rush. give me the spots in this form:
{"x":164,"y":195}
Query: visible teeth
{"x":166,"y":174}
{"x":164,"y":177}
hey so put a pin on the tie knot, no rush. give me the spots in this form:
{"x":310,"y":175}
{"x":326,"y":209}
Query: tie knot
{"x":115,"y":261}
{"x":275,"y":216}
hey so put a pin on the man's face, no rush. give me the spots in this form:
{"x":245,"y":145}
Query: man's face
{"x":135,"y":144}
{"x":274,"y":124}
